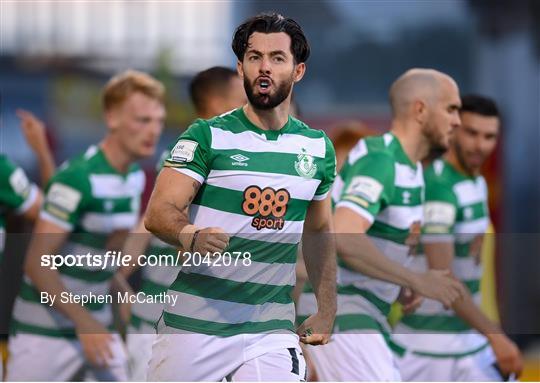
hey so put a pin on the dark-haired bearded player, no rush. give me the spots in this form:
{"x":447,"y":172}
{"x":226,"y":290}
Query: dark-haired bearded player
{"x":263,"y":177}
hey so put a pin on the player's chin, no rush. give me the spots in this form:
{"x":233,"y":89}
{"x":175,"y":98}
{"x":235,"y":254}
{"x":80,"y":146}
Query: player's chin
{"x":444,"y":143}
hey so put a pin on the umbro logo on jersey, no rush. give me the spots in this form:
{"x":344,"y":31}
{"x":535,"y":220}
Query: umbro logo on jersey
{"x":406,"y":197}
{"x":239,"y":160}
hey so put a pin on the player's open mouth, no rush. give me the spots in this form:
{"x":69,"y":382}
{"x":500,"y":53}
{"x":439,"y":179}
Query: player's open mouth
{"x":263,"y":85}
{"x":149,"y":144}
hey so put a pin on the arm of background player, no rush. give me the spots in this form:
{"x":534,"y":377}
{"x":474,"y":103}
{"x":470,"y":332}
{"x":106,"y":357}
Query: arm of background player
{"x":18,"y":192}
{"x":48,"y":238}
{"x":34,"y":133}
{"x":318,"y":247}
{"x":359,"y":253}
{"x":33,"y":211}
{"x":135,"y":245}
{"x":440,"y":256}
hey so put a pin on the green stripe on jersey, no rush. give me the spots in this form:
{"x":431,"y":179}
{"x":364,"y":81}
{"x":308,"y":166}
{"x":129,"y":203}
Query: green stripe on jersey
{"x":227,"y":290}
{"x":225,"y":329}
{"x":382,"y":306}
{"x":435,"y":323}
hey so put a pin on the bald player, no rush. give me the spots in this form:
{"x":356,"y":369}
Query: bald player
{"x":442,"y":344}
{"x":379,"y":192}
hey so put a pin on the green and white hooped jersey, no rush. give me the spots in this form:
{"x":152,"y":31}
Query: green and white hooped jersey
{"x":156,"y":279}
{"x":256,"y":185}
{"x":379,"y":182}
{"x":91,"y":200}
{"x":16,"y":193}
{"x":456,"y":211}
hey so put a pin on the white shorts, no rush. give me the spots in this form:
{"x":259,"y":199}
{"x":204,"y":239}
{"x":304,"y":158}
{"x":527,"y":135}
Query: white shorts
{"x":44,"y":358}
{"x":139,"y":349}
{"x":473,"y":368}
{"x":355,"y":357}
{"x":185,"y":356}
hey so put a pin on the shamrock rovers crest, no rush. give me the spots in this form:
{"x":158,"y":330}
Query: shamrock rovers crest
{"x":305,"y":166}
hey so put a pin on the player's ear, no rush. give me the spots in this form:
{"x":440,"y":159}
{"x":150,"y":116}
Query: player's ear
{"x":240,"y":69}
{"x":420,"y":111}
{"x":299,"y":71}
{"x":112,"y":119}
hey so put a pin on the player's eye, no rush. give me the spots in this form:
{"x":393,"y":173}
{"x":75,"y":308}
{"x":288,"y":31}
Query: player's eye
{"x":143,"y":120}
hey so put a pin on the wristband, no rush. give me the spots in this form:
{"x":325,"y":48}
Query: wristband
{"x":185,"y":237}
{"x":193,"y":239}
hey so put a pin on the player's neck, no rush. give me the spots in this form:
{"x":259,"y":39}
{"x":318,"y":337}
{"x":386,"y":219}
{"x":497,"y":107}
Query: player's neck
{"x":273,"y":119}
{"x":115,"y":154}
{"x":411,"y":141}
{"x":452,"y":158}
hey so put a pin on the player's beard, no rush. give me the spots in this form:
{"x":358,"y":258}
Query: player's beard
{"x":267,"y":101}
{"x":461,"y":157}
{"x":436,"y":139}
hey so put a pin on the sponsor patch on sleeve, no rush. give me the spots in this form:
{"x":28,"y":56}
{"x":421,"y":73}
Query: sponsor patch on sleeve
{"x":19,"y":182}
{"x":439,"y":213}
{"x":64,"y":197}
{"x":366,"y":188}
{"x":184,"y":151}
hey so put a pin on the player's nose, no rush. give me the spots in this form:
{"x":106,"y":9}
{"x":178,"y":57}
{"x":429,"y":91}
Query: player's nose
{"x":265,"y":66}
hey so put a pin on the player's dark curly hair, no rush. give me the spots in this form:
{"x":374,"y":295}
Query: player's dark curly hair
{"x":482,"y":105}
{"x":271,"y":23}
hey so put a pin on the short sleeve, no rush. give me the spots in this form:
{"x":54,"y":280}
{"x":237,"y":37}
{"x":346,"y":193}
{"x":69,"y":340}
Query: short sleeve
{"x":329,"y":171}
{"x":16,"y":190}
{"x":191,"y":154}
{"x":65,"y":198}
{"x":440,"y":209}
{"x":368,"y":185}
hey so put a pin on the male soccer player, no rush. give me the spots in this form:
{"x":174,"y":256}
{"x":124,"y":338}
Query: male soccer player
{"x":19,"y":194}
{"x":441,"y":343}
{"x":377,"y":219}
{"x":213,"y":92}
{"x":245,"y":186}
{"x":90,"y":204}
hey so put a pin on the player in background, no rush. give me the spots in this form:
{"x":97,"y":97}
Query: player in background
{"x":17,"y":192}
{"x":441,"y":343}
{"x":344,"y":136}
{"x":213,"y":92}
{"x":34,"y":132}
{"x":90,"y":205}
{"x":253,"y":182}
{"x":379,"y":196}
